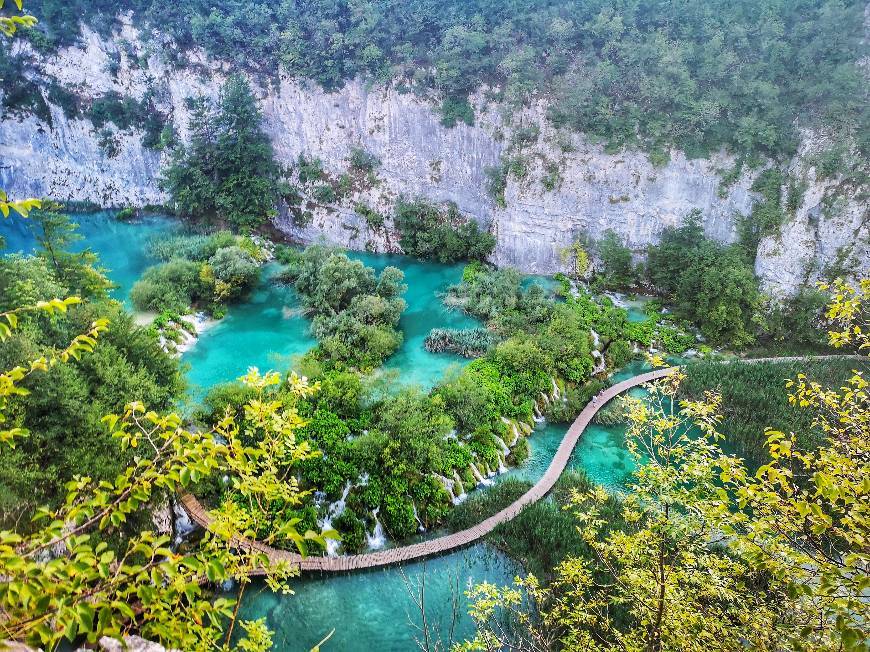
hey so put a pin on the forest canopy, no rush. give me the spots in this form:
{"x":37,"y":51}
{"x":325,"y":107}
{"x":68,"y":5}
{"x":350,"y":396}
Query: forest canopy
{"x":696,"y":75}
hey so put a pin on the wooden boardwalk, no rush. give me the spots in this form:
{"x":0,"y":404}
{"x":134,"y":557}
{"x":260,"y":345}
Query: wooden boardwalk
{"x":458,"y":539}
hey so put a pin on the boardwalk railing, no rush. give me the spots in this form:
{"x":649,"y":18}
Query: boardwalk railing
{"x":542,"y":487}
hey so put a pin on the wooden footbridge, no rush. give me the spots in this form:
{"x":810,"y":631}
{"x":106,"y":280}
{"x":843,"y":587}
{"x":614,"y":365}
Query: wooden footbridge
{"x":200,"y":515}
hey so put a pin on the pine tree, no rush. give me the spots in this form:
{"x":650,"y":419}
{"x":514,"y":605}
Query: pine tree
{"x":227,"y":173}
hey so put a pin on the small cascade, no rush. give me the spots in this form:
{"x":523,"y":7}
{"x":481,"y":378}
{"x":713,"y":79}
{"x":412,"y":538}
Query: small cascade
{"x":183,"y":525}
{"x":596,"y":340}
{"x":512,"y":427}
{"x":377,"y":539}
{"x":489,"y":472}
{"x":420,"y":526}
{"x":461,"y":496}
{"x":502,"y":468}
{"x":478,"y":476}
{"x":600,"y":363}
{"x":334,"y":510}
{"x":556,"y":393}
{"x":543,"y":397}
{"x":617,"y":299}
{"x":537,"y":415}
{"x":504,"y":447}
{"x":573,"y":288}
{"x":448,"y":485}
{"x":460,"y":485}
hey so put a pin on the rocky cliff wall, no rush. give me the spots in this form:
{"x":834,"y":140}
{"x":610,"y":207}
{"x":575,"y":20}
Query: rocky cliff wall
{"x":589,"y":192}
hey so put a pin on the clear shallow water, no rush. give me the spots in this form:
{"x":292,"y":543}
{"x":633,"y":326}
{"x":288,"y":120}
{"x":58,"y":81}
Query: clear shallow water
{"x":425,"y":311}
{"x":373,"y":611}
{"x":119,"y":245}
{"x":268,"y":330}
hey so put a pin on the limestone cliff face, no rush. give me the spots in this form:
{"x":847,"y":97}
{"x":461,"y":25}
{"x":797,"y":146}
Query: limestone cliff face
{"x":571,"y":188}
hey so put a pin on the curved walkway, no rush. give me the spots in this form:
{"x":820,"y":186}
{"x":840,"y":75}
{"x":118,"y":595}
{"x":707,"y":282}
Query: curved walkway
{"x":458,"y":539}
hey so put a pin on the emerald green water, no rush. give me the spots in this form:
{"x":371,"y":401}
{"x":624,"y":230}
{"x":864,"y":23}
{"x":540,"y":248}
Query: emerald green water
{"x":119,"y":245}
{"x":372,"y":610}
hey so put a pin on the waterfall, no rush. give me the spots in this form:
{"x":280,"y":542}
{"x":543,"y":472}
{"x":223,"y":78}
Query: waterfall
{"x":596,"y":339}
{"x":556,"y":392}
{"x":183,"y":525}
{"x":447,"y":483}
{"x":512,"y":427}
{"x":459,"y":483}
{"x":334,"y":510}
{"x":617,"y":299}
{"x":478,"y":476}
{"x":501,"y":465}
{"x":504,"y":447}
{"x":377,"y":539}
{"x":461,"y":496}
{"x":420,"y":527}
{"x":600,"y":364}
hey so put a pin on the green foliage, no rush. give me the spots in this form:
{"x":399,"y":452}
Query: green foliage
{"x":363,"y":161}
{"x":455,"y":110}
{"x":754,"y":398}
{"x":200,"y":270}
{"x":469,"y":342}
{"x":235,"y":272}
{"x":355,"y":312}
{"x":795,"y":324}
{"x":228,"y":172}
{"x":618,"y":271}
{"x":710,"y":284}
{"x":427,"y":232}
{"x":174,"y":286}
{"x":767,"y":213}
{"x":65,"y":404}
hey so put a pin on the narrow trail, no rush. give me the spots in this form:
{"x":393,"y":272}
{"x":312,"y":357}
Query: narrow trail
{"x":542,"y":487}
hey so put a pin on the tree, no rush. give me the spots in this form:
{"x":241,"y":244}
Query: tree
{"x":803,"y":518}
{"x":228,"y":171}
{"x":55,"y":232}
{"x":618,"y":271}
{"x":710,"y":284}
{"x":86,"y":588}
{"x":427,"y":232}
{"x":711,"y":555}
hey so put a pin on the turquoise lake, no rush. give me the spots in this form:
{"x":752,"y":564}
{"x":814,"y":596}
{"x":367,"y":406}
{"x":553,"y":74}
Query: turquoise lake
{"x":372,"y":610}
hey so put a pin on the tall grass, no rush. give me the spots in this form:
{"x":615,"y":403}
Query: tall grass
{"x":754,"y":397}
{"x":544,"y":533}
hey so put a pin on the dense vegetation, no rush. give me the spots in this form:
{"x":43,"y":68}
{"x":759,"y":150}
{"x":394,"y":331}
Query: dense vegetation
{"x":467,"y":342}
{"x":699,"y":76}
{"x":754,"y":398}
{"x":199,"y":272}
{"x":355,"y":312}
{"x":709,"y":284}
{"x":427,"y":232}
{"x":64,"y":416}
{"x":227,"y":173}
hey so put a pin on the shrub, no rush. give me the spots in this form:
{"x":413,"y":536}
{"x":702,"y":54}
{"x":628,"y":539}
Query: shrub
{"x":427,"y":232}
{"x":235,"y":272}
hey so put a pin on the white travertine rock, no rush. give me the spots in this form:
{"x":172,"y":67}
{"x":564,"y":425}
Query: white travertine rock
{"x":595,"y":191}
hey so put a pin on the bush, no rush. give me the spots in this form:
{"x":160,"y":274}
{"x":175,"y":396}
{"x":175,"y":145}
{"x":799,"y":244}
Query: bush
{"x":363,"y":161}
{"x":456,"y":109}
{"x":172,"y":286}
{"x":235,"y":272}
{"x":427,"y":232}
